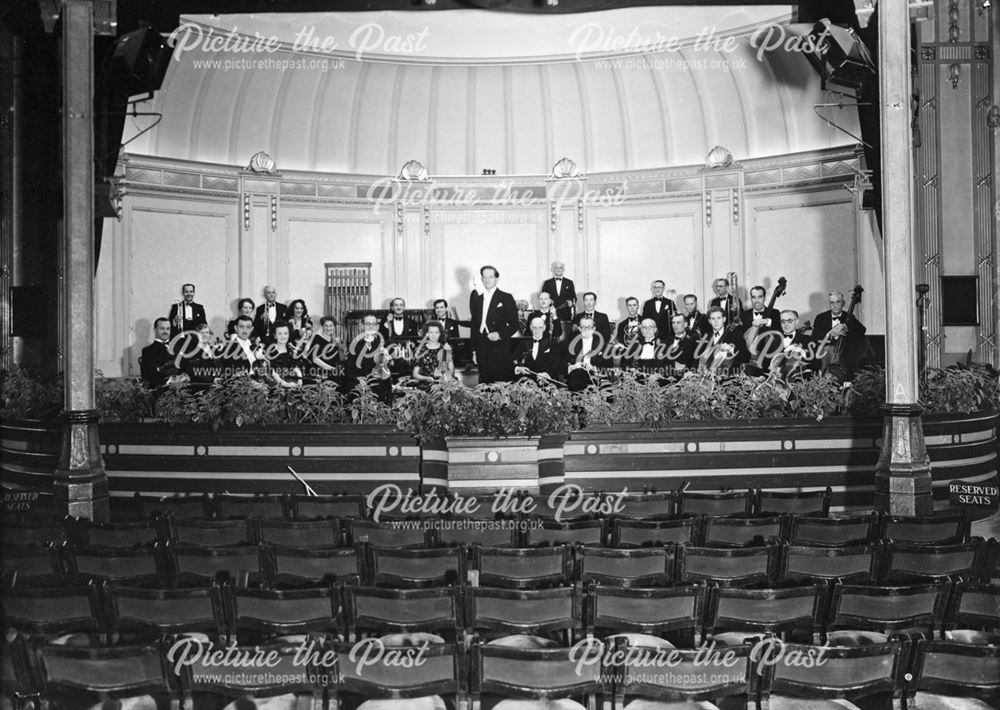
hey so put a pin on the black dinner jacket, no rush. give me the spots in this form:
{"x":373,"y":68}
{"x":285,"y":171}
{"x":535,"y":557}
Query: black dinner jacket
{"x":502,"y":317}
{"x":680,"y":351}
{"x":734,"y":338}
{"x":550,"y":358}
{"x":634,"y":349}
{"x":747,"y":319}
{"x":410,"y":329}
{"x":451,"y":328}
{"x":157,"y":364}
{"x":601,"y":324}
{"x":561,"y":300}
{"x":262,"y":327}
{"x":667,"y":309}
{"x":771,"y":344}
{"x":621,"y":330}
{"x":553,"y":325}
{"x":698,"y":324}
{"x":823,"y":322}
{"x":197,"y":318}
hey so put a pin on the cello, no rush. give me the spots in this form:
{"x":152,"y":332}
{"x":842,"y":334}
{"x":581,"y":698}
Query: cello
{"x":837,"y":358}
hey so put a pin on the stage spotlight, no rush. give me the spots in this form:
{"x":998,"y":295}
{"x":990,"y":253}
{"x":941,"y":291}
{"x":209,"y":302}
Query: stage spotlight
{"x":836,"y":53}
{"x":140,"y":61}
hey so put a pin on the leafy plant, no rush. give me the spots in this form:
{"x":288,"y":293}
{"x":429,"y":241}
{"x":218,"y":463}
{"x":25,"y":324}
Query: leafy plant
{"x":122,"y":399}
{"x":25,"y":396}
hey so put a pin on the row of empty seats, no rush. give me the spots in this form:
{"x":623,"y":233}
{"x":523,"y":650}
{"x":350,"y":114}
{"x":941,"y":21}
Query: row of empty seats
{"x":687,"y":614}
{"x":172,"y":565}
{"x":734,"y":531}
{"x":488,"y":673}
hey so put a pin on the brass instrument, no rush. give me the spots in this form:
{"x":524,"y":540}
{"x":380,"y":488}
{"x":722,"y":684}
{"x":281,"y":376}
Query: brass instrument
{"x":733,"y":301}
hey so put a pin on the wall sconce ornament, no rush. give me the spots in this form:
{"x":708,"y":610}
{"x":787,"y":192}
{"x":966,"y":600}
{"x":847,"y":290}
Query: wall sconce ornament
{"x":565,"y":168}
{"x":413,"y":170}
{"x":708,"y":209}
{"x":735,"y":195}
{"x":954,"y":31}
{"x":579,"y":215}
{"x":274,"y":213}
{"x":261,"y":162}
{"x":955,"y":74}
{"x":246,"y":212}
{"x":553,"y":217}
{"x":993,"y":117}
{"x":399,"y":218}
{"x":719,"y":157}
{"x":427,"y":220}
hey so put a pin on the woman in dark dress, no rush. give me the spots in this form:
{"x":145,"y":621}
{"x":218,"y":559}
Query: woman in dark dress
{"x":432,"y":361}
{"x":245,"y":307}
{"x":323,"y":350}
{"x":285,"y":367}
{"x":299,"y":323}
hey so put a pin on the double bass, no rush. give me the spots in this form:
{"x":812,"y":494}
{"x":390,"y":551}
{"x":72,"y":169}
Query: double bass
{"x":840,"y":359}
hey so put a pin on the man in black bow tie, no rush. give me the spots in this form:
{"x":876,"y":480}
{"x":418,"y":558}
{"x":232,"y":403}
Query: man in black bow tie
{"x":158,"y":363}
{"x":601,"y":323}
{"x":562,"y":291}
{"x":398,"y":326}
{"x":186,"y":315}
{"x":548,"y":312}
{"x":697,"y":322}
{"x":628,"y":328}
{"x":647,"y":352}
{"x":538,"y":357}
{"x":268,"y":314}
{"x":494,"y":323}
{"x":725,"y":298}
{"x":659,"y":307}
{"x":680,"y":344}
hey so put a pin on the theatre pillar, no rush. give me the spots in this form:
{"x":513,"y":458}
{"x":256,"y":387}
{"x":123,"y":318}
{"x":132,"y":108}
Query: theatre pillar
{"x":81,"y":485}
{"x":902,"y":476}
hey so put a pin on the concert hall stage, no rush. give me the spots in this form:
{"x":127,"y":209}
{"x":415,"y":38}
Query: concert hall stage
{"x":840,"y":452}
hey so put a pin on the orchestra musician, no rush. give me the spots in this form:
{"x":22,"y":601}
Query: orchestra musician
{"x":628,"y":328}
{"x":538,"y":356}
{"x":794,"y":351}
{"x":398,"y":326}
{"x":585,"y":354}
{"x":269,"y":313}
{"x":659,"y":307}
{"x":442,"y":315}
{"x":756,"y":321}
{"x":244,"y":307}
{"x":548,"y":312}
{"x":367,"y":355}
{"x":681,"y":344}
{"x":697,"y":322}
{"x":324,"y":348}
{"x":186,"y":315}
{"x":647,"y":352}
{"x":562,"y":291}
{"x":601,"y":323}
{"x":723,"y":349}
{"x":831,"y":326}
{"x":432,"y":359}
{"x":725,"y":298}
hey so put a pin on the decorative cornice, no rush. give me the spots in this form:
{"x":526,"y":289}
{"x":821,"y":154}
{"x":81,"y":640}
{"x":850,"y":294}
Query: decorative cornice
{"x":158,"y":175}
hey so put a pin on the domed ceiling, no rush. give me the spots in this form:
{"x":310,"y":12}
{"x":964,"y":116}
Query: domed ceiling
{"x":467,"y":90}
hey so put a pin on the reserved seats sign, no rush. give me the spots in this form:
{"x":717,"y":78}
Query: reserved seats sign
{"x":981,"y":494}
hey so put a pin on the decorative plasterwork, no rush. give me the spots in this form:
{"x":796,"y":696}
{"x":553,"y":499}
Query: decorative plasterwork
{"x":816,"y":168}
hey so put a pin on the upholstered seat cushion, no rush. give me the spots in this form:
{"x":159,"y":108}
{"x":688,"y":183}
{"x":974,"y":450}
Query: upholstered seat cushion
{"x":734,"y":638}
{"x":645,"y":640}
{"x":539,"y":704}
{"x":415,"y":638}
{"x":524,"y":641}
{"x":430,"y":702}
{"x":979,"y":638}
{"x":932,"y":701}
{"x":855,"y":638}
{"x":651,"y":704}
{"x":782,"y":702}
